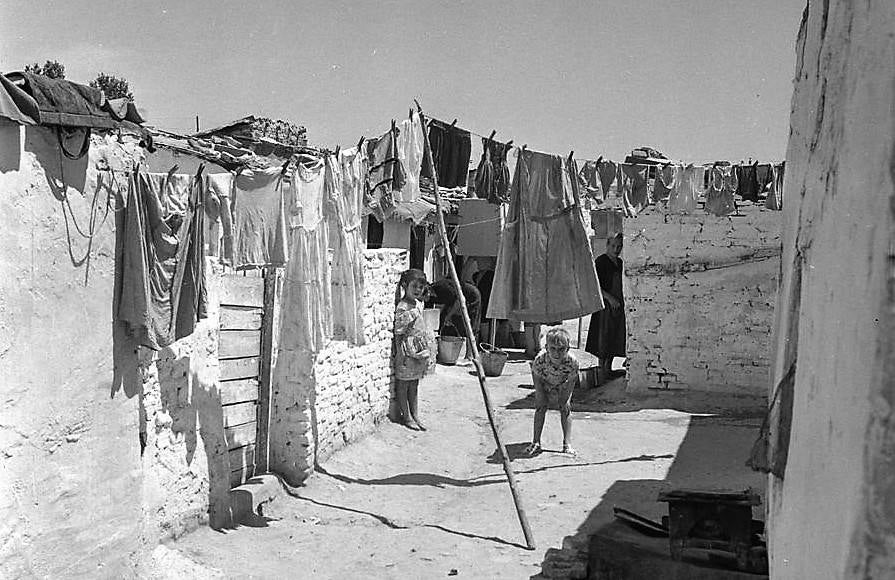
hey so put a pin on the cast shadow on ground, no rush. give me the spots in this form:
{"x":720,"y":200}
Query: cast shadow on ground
{"x":711,"y":455}
{"x":386,"y":521}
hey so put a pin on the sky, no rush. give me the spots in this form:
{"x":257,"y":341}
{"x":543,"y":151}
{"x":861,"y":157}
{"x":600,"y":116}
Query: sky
{"x":699,"y":80}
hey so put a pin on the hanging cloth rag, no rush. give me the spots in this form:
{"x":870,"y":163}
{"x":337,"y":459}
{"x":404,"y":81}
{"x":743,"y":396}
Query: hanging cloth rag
{"x":545,"y":268}
{"x":664,"y":183}
{"x":719,"y":195}
{"x":218,"y":211}
{"x":386,"y":174}
{"x":639,"y":184}
{"x":345,"y":180}
{"x":307,"y":290}
{"x":747,"y":182}
{"x":492,"y":176}
{"x":259,"y":218}
{"x":589,"y":180}
{"x":607,"y":171}
{"x":410,"y":140}
{"x":682,"y":199}
{"x":160,"y":289}
{"x":775,"y":199}
{"x":451,"y":148}
{"x":764,"y":177}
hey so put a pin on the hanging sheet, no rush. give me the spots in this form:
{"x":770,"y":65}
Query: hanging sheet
{"x":639,"y":192}
{"x":545,"y":268}
{"x":607,"y":171}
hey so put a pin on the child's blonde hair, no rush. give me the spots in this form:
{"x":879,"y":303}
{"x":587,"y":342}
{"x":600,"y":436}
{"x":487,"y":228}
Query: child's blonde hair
{"x":558,"y":336}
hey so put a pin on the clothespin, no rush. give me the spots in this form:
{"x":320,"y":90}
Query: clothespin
{"x":491,"y":136}
{"x":571,"y":153}
{"x":509,"y":143}
{"x":453,"y":123}
{"x":361,"y":141}
{"x":338,"y":148}
{"x":524,"y":147}
{"x":410,"y":113}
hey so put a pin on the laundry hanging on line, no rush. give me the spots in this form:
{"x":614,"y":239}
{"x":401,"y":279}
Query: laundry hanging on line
{"x":545,"y":269}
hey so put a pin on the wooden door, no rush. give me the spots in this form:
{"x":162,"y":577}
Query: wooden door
{"x":244,"y":351}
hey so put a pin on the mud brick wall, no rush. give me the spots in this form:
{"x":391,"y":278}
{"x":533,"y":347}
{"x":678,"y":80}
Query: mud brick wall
{"x":700,"y":293}
{"x":186,"y":465}
{"x":354,"y":382}
{"x":321,"y":401}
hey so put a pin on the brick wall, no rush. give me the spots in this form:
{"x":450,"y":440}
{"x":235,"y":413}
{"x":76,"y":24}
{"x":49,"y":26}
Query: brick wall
{"x":700,"y":292}
{"x":321,"y":401}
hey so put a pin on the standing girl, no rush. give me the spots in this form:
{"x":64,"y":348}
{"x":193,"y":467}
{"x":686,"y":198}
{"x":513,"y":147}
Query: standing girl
{"x":414,"y":348}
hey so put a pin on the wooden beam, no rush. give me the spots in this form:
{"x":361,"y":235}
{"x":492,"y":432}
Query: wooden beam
{"x":240,"y":436}
{"x":239,"y":368}
{"x":239,"y":343}
{"x":470,"y":335}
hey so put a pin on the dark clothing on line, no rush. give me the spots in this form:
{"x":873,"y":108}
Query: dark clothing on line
{"x":607,"y":333}
{"x":451,"y":148}
{"x":492,"y":176}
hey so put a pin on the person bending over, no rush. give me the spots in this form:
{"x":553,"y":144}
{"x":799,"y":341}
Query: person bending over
{"x":554,"y":372}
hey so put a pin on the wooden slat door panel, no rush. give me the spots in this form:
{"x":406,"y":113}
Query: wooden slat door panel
{"x":244,"y":351}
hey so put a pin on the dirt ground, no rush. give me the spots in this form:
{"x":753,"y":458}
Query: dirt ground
{"x":405,"y":504}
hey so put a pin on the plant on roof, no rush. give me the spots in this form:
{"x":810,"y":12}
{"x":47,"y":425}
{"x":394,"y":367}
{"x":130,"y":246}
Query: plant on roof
{"x":52,"y":68}
{"x":113,"y":87}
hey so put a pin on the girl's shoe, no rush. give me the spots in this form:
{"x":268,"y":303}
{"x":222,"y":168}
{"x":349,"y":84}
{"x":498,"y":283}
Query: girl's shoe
{"x":413,"y":425}
{"x":532,"y":449}
{"x":569,"y":450}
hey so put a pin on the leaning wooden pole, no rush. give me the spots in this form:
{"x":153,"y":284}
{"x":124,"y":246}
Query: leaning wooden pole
{"x":470,"y":335}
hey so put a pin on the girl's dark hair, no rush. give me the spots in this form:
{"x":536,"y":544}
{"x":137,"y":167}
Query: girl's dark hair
{"x":408,"y":276}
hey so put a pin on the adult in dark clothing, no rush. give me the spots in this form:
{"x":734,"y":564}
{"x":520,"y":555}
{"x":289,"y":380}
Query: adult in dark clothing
{"x":451,"y":319}
{"x":607,"y":332}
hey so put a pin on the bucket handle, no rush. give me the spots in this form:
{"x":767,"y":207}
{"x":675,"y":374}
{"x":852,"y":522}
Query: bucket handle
{"x":484,"y":346}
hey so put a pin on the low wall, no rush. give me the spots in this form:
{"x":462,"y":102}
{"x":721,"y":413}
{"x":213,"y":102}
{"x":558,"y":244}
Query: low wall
{"x":93,"y":476}
{"x":321,"y":402}
{"x":700,"y":294}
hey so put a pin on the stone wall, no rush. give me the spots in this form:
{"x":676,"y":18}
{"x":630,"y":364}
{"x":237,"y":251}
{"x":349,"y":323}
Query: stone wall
{"x":832,"y":511}
{"x":700,"y":293}
{"x":321,"y":401}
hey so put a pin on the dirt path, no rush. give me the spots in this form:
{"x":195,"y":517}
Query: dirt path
{"x":402,"y":504}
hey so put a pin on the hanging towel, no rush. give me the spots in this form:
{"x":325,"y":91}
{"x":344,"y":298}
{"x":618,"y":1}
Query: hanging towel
{"x":545,"y":269}
{"x":451,"y":148}
{"x":259,"y":218}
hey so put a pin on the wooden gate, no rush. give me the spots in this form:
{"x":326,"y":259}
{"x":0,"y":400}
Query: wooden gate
{"x":244,"y":353}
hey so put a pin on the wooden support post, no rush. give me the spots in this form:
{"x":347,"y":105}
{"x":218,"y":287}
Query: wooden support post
{"x":579,"y":333}
{"x":470,"y":335}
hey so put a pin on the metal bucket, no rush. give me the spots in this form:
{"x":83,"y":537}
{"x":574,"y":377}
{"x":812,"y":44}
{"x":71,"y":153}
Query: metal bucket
{"x":493,"y":360}
{"x":449,"y":349}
